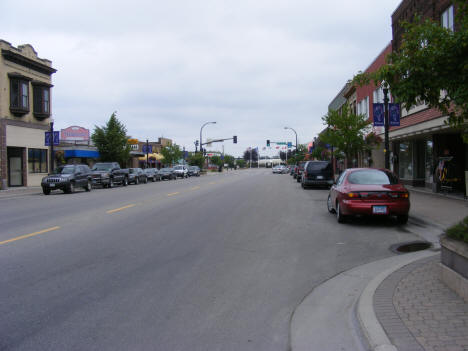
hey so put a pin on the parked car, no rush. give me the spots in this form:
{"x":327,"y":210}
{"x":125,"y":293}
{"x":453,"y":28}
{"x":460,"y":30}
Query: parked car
{"x":167,"y":173}
{"x":152,"y":174}
{"x":298,"y":171}
{"x":136,"y":176}
{"x":108,"y":174}
{"x":368,"y":191}
{"x":317,"y":173}
{"x":279,"y":169}
{"x":67,"y":178}
{"x":181,"y":171}
{"x":194,"y":171}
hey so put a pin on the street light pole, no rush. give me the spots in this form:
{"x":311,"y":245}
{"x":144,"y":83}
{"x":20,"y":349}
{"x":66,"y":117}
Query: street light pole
{"x":386,"y":147}
{"x":201,"y":144}
{"x":296,"y":136}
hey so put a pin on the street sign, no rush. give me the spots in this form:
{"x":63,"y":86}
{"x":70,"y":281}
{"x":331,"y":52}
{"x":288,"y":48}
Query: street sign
{"x":47,"y":137}
{"x":394,"y":115}
{"x":379,"y":117}
{"x":280,"y":143}
{"x":147,"y":149}
{"x":289,"y":145}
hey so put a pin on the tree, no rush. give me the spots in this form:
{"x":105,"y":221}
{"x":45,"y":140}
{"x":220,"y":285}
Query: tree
{"x":111,"y":141}
{"x":171,"y":153}
{"x":253,"y":152}
{"x":240,"y":163}
{"x":430,"y":66}
{"x":230,"y":160}
{"x":196,"y":159}
{"x":346,"y":132}
{"x":282,"y":155}
{"x":216,"y":160}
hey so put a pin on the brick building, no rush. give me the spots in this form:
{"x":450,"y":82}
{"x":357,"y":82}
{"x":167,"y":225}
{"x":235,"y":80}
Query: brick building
{"x":25,"y":111}
{"x":423,"y":142}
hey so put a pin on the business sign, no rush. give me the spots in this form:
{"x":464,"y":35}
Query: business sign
{"x":147,"y":149}
{"x":394,"y":115}
{"x":379,"y":116}
{"x":74,"y":133}
{"x":48,"y":137}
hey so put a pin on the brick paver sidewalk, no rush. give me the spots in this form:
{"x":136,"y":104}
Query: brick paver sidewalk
{"x":419,"y":312}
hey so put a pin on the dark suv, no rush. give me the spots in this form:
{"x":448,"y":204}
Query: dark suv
{"x":67,"y":178}
{"x":317,"y":173}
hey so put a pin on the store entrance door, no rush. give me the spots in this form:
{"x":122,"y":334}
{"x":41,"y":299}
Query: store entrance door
{"x":15,"y":166}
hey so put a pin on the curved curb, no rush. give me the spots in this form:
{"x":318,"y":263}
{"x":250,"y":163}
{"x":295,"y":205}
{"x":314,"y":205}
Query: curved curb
{"x":371,"y":327}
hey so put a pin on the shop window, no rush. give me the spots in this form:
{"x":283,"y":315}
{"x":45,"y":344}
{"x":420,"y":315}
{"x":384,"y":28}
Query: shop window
{"x":37,"y":160}
{"x":41,"y":101}
{"x":19,"y":95}
{"x":406,"y":160}
{"x":429,"y":166}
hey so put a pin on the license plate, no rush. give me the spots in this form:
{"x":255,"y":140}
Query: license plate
{"x":319,"y":177}
{"x":52,"y":185}
{"x":379,"y":209}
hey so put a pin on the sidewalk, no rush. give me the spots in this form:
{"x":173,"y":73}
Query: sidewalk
{"x":398,"y":303}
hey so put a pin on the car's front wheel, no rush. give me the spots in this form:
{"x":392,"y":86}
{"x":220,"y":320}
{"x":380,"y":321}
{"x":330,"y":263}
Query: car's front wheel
{"x":88,"y":186}
{"x":46,"y":191}
{"x":71,"y":188}
{"x":329,"y":205}
{"x":111,"y":183}
{"x":137,"y":180}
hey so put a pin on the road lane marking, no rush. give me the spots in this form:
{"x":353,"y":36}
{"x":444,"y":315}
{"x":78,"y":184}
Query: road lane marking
{"x":120,"y":208}
{"x":195,"y":188}
{"x":212,"y":183}
{"x":29,"y":235}
{"x":172,"y":194}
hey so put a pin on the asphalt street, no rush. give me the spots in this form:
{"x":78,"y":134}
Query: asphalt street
{"x":218,"y":262}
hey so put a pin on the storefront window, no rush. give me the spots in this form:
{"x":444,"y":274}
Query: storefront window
{"x":406,"y":160}
{"x":37,"y":160}
{"x":429,"y":161}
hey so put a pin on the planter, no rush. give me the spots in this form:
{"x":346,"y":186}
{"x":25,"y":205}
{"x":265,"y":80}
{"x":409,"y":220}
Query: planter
{"x":454,"y":265}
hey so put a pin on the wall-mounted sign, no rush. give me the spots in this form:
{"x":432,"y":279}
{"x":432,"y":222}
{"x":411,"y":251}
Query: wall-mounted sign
{"x":74,"y":133}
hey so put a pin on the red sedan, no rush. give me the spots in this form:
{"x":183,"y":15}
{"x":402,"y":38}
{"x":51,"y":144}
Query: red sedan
{"x":368,"y":191}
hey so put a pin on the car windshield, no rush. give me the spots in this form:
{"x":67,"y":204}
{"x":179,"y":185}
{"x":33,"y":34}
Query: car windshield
{"x":178,"y":167}
{"x":372,"y":177}
{"x":193,"y":167}
{"x":65,"y":170}
{"x":102,"y":167}
{"x":131,"y":170}
{"x":317,"y":166}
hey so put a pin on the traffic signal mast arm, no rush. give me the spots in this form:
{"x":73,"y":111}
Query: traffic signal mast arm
{"x":221,"y":140}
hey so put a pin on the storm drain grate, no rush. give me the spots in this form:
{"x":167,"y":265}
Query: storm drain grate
{"x":412,"y":246}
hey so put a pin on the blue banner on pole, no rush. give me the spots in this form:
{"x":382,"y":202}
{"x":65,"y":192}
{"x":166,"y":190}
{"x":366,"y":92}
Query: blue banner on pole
{"x":394,"y":115}
{"x":47,"y":138}
{"x":147,"y":149}
{"x":379,"y":116}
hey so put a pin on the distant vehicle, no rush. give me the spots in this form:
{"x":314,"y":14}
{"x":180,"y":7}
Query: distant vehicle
{"x":108,"y":174}
{"x":194,"y":171}
{"x":181,"y":171}
{"x":167,"y":173}
{"x":152,"y":174}
{"x":136,"y":176}
{"x":279,"y":169}
{"x":368,"y":191}
{"x":67,"y":178}
{"x":317,"y":173}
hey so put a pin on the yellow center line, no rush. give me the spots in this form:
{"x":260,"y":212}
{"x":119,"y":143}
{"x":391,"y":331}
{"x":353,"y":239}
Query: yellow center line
{"x":29,"y":235}
{"x":121,"y":208}
{"x":172,"y":194}
{"x":212,"y":183}
{"x":195,"y":188}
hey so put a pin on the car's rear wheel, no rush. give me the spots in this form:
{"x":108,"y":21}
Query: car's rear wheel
{"x":111,"y":183}
{"x":402,"y":219}
{"x":340,"y":217}
{"x":329,"y":205}
{"x":146,"y":180}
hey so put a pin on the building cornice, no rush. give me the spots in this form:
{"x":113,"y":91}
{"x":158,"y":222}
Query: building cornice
{"x":27,"y":62}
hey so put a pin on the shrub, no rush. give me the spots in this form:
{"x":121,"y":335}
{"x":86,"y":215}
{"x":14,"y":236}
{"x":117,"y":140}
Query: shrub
{"x":459,"y":231}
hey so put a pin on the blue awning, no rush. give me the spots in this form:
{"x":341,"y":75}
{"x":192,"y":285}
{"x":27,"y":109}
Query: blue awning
{"x":81,"y":153}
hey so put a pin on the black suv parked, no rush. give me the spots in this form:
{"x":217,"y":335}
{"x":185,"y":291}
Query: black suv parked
{"x":68,"y":178}
{"x":317,"y":173}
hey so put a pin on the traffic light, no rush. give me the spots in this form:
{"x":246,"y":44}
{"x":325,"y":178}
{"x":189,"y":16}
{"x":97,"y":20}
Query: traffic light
{"x":234,"y":139}
{"x":268,"y":143}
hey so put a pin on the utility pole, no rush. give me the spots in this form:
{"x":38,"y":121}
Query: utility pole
{"x":51,"y":146}
{"x":387,"y":146}
{"x":147,"y":149}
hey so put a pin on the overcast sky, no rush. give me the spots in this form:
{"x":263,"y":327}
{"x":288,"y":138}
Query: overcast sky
{"x":167,"y":67}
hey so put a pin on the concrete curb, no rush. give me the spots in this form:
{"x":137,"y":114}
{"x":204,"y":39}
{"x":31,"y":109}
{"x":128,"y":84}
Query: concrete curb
{"x":371,"y":327}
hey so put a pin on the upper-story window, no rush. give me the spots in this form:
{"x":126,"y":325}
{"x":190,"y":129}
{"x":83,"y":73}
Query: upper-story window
{"x":19,"y":94}
{"x":41,"y":99}
{"x":447,"y":18}
{"x":362,"y":107}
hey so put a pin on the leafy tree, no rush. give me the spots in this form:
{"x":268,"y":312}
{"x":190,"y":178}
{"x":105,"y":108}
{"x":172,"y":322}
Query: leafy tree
{"x":230,"y":160}
{"x":298,"y":154}
{"x":283,"y":154}
{"x":171,"y":154}
{"x":196,"y":159}
{"x":111,"y":141}
{"x":216,"y":160}
{"x":430,"y":66}
{"x":252,"y":152}
{"x":241,"y":163}
{"x":346,"y":132}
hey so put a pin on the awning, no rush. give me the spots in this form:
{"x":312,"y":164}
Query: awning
{"x":153,"y":155}
{"x":81,"y":153}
